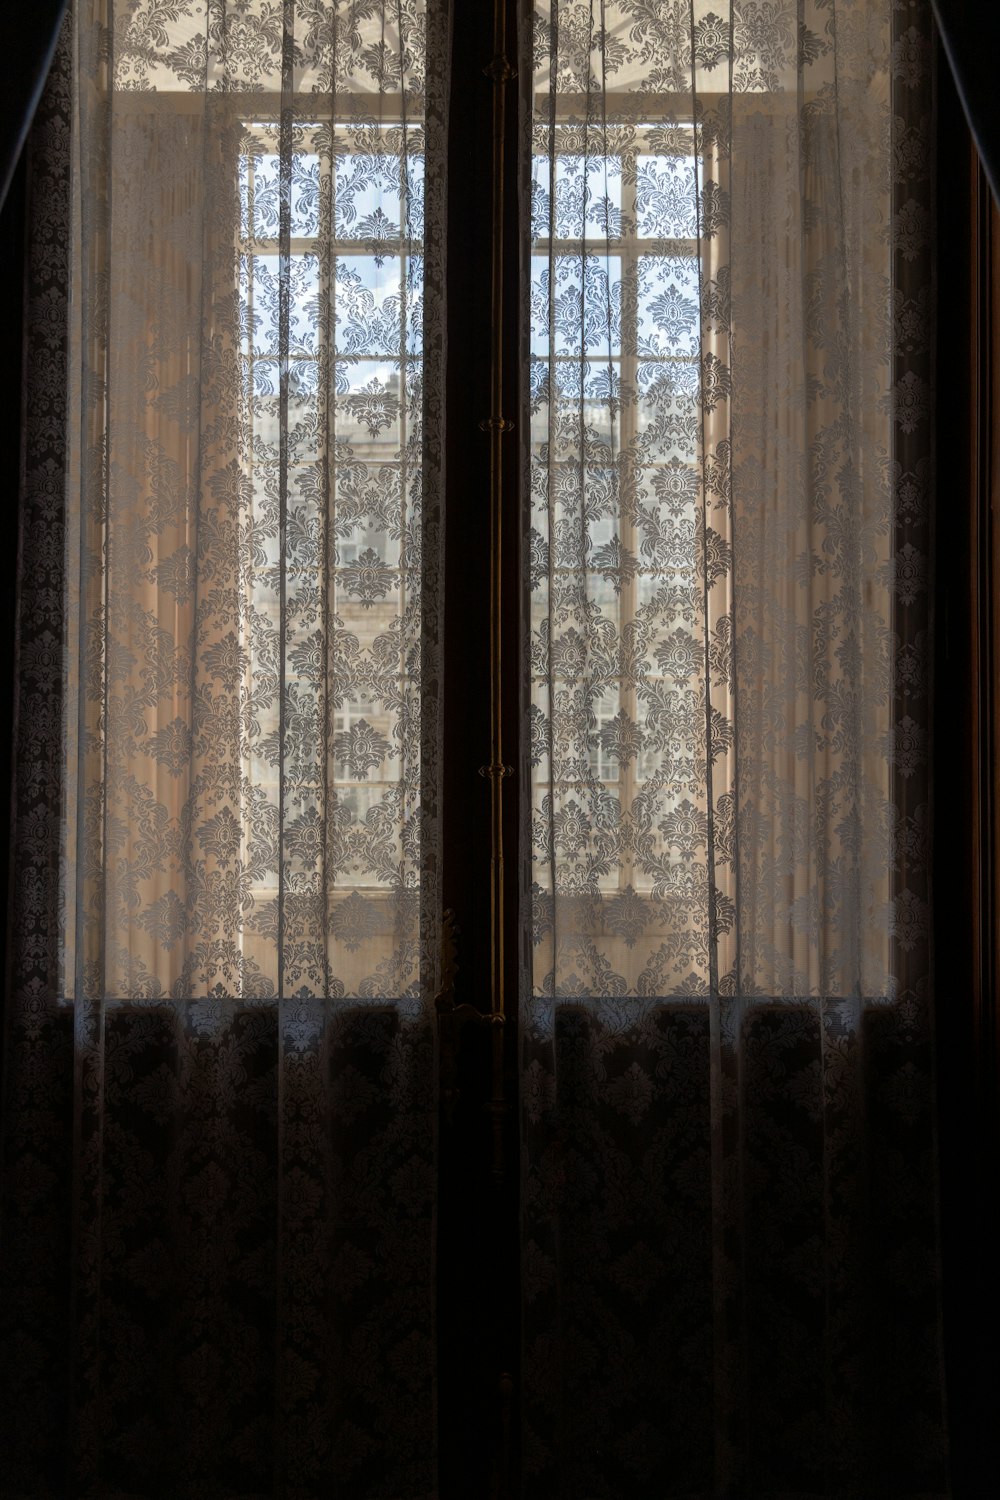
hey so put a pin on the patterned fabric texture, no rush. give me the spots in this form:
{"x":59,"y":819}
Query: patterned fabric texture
{"x":728,"y":1202}
{"x":219,"y":1156}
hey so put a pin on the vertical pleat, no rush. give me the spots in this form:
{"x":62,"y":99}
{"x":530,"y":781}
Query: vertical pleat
{"x":727,"y":755}
{"x":242,"y":1095}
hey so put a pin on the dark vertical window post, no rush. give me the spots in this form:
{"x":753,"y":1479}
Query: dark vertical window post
{"x":478,"y":1300}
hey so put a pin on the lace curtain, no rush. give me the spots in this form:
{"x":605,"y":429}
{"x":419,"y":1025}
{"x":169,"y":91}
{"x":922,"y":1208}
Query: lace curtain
{"x":729,"y":1235}
{"x":219,"y":1152}
{"x":221,"y":1064}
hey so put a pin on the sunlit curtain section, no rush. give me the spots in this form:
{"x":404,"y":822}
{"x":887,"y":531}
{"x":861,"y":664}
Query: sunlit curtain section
{"x":231,"y":1071}
{"x":727,"y":1020}
{"x":246,"y":820}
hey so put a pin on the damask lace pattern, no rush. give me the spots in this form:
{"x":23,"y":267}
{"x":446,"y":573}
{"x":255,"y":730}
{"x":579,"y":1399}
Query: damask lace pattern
{"x":726,"y":1065}
{"x":711,"y":564}
{"x":245,"y":819}
{"x":220,"y":1143}
{"x":36,"y":1184}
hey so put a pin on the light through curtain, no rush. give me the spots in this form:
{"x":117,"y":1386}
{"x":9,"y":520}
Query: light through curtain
{"x":728,"y":1197}
{"x":246,"y":814}
{"x":236,"y":1041}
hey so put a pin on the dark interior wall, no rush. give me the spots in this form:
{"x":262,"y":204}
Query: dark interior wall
{"x":27,"y":43}
{"x":966,"y":797}
{"x":970,"y":32}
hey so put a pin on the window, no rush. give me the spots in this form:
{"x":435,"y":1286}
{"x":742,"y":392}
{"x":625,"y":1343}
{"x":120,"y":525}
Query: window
{"x":714,"y":1057}
{"x":258,"y":789}
{"x":344,"y":441}
{"x":625,"y":322}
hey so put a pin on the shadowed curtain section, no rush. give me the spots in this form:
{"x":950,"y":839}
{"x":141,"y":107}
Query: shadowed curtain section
{"x":729,"y":1221}
{"x":219,"y":1151}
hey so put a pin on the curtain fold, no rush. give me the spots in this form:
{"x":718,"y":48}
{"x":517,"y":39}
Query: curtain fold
{"x":220,"y":1136}
{"x":219,"y":1149}
{"x":728,"y":1197}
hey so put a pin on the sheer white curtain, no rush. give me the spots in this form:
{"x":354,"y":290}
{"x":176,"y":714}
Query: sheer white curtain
{"x":245,"y":759}
{"x":729,"y":1289}
{"x":240,"y":802}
